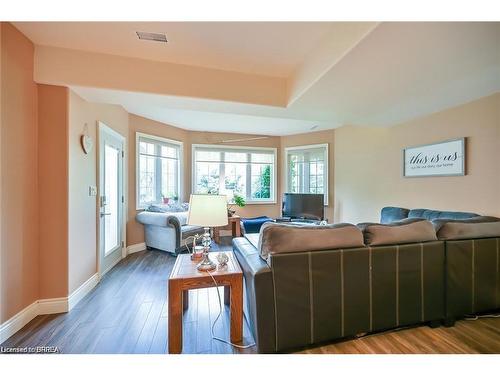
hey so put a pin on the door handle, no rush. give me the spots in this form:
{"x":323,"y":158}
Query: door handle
{"x":105,"y":213}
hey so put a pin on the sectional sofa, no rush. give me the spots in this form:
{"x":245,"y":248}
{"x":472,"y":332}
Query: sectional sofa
{"x":309,"y":285}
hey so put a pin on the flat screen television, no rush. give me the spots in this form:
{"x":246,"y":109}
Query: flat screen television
{"x":303,"y":206}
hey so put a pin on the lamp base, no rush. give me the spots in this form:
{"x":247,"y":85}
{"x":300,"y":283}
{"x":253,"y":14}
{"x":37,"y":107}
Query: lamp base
{"x":206,"y":264}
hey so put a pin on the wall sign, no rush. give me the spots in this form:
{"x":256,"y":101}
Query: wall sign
{"x":437,"y":159}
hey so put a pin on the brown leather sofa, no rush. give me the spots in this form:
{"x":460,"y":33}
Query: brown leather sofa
{"x":472,"y":267}
{"x":389,"y":276}
{"x":299,"y":298}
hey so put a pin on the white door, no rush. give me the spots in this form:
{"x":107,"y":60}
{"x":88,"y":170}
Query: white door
{"x":111,"y":202}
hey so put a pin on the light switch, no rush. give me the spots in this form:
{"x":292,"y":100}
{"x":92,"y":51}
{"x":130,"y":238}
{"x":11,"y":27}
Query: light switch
{"x":92,"y":191}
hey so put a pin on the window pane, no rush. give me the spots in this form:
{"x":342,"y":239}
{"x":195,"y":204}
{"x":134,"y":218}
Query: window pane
{"x":208,"y":156}
{"x":207,"y":178}
{"x":146,"y":148}
{"x":111,"y":183}
{"x":237,"y":157}
{"x":262,"y":158}
{"x":261,"y":181}
{"x":169,"y":178}
{"x":294,"y":157}
{"x":235,"y":177}
{"x":147,"y":179}
{"x":169,"y":152}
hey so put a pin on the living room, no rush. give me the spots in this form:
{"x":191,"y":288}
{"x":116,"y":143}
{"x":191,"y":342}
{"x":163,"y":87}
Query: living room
{"x":203,"y":187}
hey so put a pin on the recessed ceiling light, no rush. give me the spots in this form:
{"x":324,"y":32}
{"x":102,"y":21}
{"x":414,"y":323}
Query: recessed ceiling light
{"x":155,"y":37}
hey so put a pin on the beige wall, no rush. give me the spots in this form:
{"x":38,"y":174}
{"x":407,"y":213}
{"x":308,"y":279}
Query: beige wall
{"x":326,"y":136}
{"x":368,"y":164}
{"x":19,"y":192}
{"x":53,"y":191}
{"x":83,"y":222}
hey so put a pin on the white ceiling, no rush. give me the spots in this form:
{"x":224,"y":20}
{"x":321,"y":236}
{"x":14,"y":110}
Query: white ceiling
{"x":266,"y":48}
{"x":394,"y":73}
{"x":404,"y":70}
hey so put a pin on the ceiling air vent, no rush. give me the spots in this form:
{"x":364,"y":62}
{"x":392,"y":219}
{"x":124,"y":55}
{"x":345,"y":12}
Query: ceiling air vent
{"x":155,"y":37}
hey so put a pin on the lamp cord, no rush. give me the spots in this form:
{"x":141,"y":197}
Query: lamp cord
{"x":476,"y":317}
{"x":219,"y":315}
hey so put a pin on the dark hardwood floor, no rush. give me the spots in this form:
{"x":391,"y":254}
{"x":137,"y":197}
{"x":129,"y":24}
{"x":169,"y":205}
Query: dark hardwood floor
{"x":127,"y":313}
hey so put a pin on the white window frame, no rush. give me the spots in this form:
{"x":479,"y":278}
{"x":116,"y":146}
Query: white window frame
{"x":180,"y":176}
{"x":304,"y":148}
{"x":272,"y":150}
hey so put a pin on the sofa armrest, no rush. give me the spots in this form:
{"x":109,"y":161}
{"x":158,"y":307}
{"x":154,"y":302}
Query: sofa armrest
{"x":174,"y":222}
{"x":259,"y":292}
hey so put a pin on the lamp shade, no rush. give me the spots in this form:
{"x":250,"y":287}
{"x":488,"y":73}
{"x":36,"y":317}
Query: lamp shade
{"x":207,"y":210}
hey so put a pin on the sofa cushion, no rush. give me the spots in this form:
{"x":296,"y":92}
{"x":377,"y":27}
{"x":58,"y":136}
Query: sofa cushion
{"x":391,"y":214}
{"x":399,"y":232}
{"x":288,"y":238}
{"x":476,"y":227}
{"x":433,"y":214}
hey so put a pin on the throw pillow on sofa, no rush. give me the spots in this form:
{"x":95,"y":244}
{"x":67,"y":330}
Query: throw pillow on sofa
{"x":399,"y":232}
{"x":288,"y":238}
{"x":476,"y":227}
{"x":169,"y":207}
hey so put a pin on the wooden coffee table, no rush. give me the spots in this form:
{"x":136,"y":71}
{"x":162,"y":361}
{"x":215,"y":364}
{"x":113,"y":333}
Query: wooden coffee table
{"x":185,"y":276}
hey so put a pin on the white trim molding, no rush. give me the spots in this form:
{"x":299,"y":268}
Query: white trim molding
{"x":18,"y":321}
{"x":23,"y":317}
{"x":136,"y":248}
{"x":46,"y":306}
{"x":82,"y":291}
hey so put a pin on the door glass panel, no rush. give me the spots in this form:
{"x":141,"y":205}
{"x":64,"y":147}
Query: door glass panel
{"x":111,"y":185}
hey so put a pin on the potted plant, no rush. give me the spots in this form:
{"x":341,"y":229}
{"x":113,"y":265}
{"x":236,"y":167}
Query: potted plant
{"x":239,"y":201}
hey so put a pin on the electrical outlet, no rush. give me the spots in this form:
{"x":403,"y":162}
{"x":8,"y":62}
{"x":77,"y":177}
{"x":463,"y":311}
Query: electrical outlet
{"x":92,"y":191}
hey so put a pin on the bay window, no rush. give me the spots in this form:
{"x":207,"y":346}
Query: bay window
{"x":248,"y":172}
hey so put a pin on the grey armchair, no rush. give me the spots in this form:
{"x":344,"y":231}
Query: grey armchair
{"x":166,"y":231}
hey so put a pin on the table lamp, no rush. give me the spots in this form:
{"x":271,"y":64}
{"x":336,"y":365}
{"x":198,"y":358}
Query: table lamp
{"x":207,"y":210}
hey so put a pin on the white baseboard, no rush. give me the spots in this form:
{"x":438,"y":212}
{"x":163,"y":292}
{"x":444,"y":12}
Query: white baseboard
{"x":46,"y":306}
{"x":111,"y":266}
{"x":23,"y":317}
{"x":52,"y":306}
{"x":135,"y":248}
{"x":82,"y":291}
{"x":18,"y":321}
